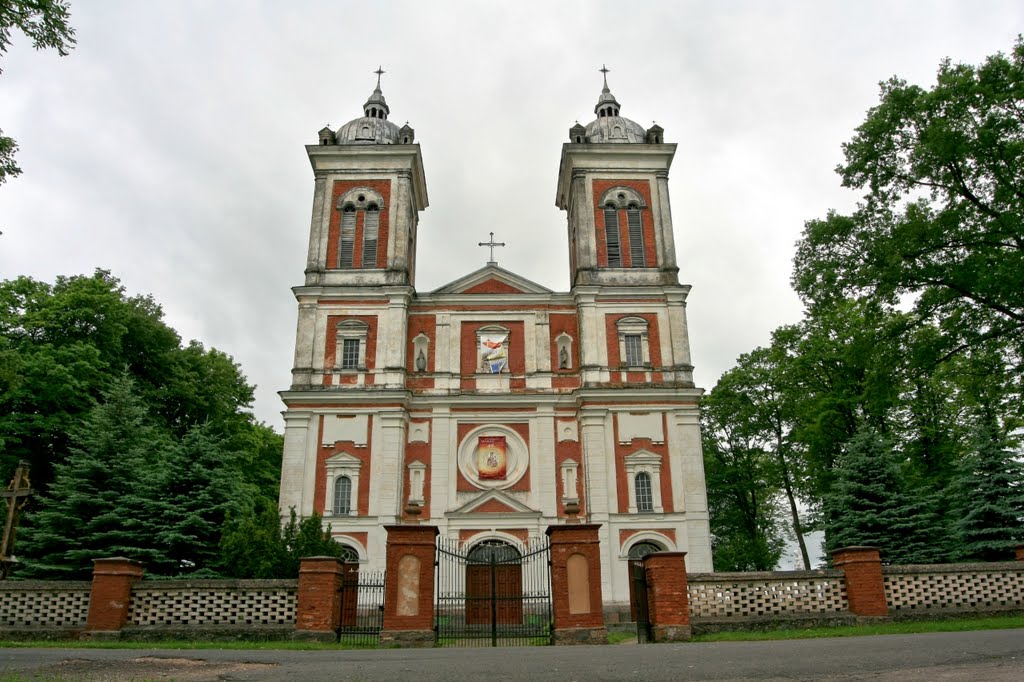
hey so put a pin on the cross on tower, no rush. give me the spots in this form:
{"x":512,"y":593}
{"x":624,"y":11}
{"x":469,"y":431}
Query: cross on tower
{"x":605,"y":71}
{"x":492,"y":244}
{"x":380,"y":72}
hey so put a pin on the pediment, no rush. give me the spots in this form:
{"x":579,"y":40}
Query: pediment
{"x":343,"y":458}
{"x":491,"y":279}
{"x":494,"y":502}
{"x":643,"y":457}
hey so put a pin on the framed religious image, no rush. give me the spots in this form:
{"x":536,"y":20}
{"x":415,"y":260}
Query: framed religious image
{"x":492,"y":459}
{"x":493,"y":350}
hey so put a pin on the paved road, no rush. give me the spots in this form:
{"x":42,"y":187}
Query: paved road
{"x":995,"y":655}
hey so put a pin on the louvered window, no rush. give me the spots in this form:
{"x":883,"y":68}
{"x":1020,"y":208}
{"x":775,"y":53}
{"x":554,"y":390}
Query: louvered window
{"x":371,"y":223}
{"x":343,"y":495}
{"x":348,"y":237}
{"x":644,"y":498}
{"x":611,"y":235}
{"x":636,"y":237}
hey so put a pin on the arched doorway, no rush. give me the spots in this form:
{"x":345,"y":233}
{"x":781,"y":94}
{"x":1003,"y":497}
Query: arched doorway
{"x":494,"y":584}
{"x":637,"y":578}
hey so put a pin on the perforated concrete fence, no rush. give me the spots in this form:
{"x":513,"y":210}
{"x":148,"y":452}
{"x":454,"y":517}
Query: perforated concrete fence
{"x":968,"y":587}
{"x":39,"y":604}
{"x":779,"y":593}
{"x":213,"y":603}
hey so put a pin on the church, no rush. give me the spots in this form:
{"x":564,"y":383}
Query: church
{"x":493,"y":407}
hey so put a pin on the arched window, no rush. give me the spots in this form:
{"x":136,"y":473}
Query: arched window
{"x":644,"y":497}
{"x":349,"y":555}
{"x":371,"y":228}
{"x":611,"y":236}
{"x":642,"y":549}
{"x":348,"y":236}
{"x":342,"y":496}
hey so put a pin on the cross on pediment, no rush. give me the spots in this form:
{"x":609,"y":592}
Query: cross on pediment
{"x":492,"y":244}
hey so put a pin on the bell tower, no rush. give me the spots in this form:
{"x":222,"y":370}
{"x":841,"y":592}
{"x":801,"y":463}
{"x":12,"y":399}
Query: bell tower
{"x":613,"y":183}
{"x":369,"y":190}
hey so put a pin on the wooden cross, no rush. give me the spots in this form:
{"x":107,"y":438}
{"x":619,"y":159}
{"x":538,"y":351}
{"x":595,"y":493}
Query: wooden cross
{"x":492,"y":244}
{"x":14,"y":498}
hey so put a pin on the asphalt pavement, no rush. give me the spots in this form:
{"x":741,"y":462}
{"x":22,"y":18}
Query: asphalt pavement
{"x":995,"y":655}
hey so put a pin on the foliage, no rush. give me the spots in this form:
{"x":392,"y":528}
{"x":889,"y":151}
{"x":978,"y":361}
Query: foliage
{"x":990,"y":494}
{"x":45,"y":22}
{"x":256,"y":545}
{"x":100,"y":503}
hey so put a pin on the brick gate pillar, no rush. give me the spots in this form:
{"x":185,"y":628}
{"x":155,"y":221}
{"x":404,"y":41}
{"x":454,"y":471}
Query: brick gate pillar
{"x":318,"y":611}
{"x":668,"y":603}
{"x":1018,"y":552}
{"x":865,"y":587}
{"x":111,"y":596}
{"x":576,"y":584}
{"x":409,"y":586}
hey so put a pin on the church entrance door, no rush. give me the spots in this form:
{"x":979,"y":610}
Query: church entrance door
{"x":494,"y":594}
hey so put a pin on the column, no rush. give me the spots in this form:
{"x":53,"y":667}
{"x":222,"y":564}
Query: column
{"x":865,"y":587}
{"x":668,"y":604}
{"x":318,"y":611}
{"x":576,"y":584}
{"x":409,"y":587}
{"x":111,"y":596}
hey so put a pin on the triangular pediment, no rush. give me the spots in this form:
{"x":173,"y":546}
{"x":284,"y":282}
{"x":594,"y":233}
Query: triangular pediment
{"x":494,"y":502}
{"x":343,"y":458}
{"x":491,"y":279}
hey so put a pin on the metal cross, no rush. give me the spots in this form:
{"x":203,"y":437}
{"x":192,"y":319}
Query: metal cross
{"x":379,"y":73}
{"x":492,"y":244}
{"x":605,"y":71}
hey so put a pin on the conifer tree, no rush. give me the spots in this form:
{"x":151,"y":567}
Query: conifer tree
{"x":990,"y":496}
{"x":99,"y":504}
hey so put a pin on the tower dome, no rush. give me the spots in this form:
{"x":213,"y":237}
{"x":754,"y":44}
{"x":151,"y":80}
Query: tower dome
{"x":609,"y":126}
{"x":373,"y":127}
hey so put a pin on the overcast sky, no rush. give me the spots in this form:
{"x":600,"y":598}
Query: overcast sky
{"x":168,"y":147}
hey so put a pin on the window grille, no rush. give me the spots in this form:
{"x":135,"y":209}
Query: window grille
{"x":636,"y":237}
{"x":343,"y":496}
{"x":350,"y":354}
{"x":371,"y":223}
{"x":634,"y":350}
{"x":348,"y":237}
{"x":611,"y":234}
{"x":644,"y":498}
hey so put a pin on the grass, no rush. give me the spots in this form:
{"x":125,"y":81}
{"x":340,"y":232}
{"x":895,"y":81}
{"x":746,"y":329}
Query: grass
{"x":620,"y":636}
{"x":902,"y":628}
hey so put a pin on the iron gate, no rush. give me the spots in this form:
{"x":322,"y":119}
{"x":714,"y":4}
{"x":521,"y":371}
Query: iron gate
{"x":493,"y":594}
{"x":638,"y":600}
{"x":362,"y":606}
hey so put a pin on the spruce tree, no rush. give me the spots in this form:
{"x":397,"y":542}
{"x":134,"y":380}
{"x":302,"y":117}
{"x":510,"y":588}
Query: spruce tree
{"x":990,"y":496}
{"x":99,"y":504}
{"x":868,"y":505}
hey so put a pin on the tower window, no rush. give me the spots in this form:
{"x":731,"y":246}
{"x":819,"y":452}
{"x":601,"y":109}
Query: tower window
{"x":343,"y":495}
{"x":644,"y":498}
{"x":634,"y":350}
{"x":350,"y":354}
{"x":371,"y":227}
{"x":348,"y":237}
{"x":611,"y":235}
{"x":636,"y":236}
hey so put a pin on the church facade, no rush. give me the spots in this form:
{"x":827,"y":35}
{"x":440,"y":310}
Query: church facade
{"x":493,"y":407}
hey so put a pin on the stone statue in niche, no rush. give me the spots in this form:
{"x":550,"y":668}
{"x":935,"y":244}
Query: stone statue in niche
{"x":563,"y":358}
{"x":421,"y":362}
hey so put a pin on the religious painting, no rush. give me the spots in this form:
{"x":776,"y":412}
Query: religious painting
{"x":492,"y":460}
{"x":493,"y":351}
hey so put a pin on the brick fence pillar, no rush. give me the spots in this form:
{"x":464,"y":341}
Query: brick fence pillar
{"x":409,"y":586}
{"x":111,"y":596}
{"x":865,"y":588}
{"x":1018,"y":553}
{"x":668,"y":603}
{"x":576,"y":584}
{"x":318,"y":610}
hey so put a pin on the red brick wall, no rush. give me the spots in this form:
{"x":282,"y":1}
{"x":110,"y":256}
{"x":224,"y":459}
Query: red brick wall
{"x":493,"y":286}
{"x":564,"y":324}
{"x":111,"y":593}
{"x":318,"y":606}
{"x":667,"y":598}
{"x":383,"y":187}
{"x":569,"y":450}
{"x":621,"y":451}
{"x":418,"y":452}
{"x":404,"y":541}
{"x":324,"y":452}
{"x":612,"y":335}
{"x":567,"y":540}
{"x":865,"y":587}
{"x":331,"y":344}
{"x":516,"y":351}
{"x":421,"y":324}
